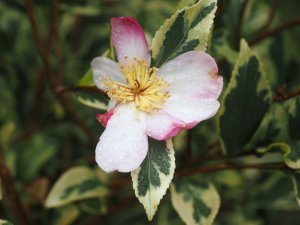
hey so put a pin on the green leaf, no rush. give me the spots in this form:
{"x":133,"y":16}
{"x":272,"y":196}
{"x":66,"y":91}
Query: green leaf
{"x":241,"y":216}
{"x":4,"y":222}
{"x":296,"y":185}
{"x":87,"y":79}
{"x":272,"y":190}
{"x":76,"y":184}
{"x":152,"y":179}
{"x":90,"y":99}
{"x":291,"y":152}
{"x":33,"y":159}
{"x":195,"y":202}
{"x":246,"y":100}
{"x":273,"y":128}
{"x":188,"y":29}
{"x":81,"y":10}
{"x":66,"y":215}
{"x":294,"y":119}
{"x":92,"y":102}
{"x":6,"y":132}
{"x":93,"y":206}
{"x":221,"y":48}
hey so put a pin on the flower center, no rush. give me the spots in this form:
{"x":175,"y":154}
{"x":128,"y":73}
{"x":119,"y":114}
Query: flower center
{"x":142,"y":86}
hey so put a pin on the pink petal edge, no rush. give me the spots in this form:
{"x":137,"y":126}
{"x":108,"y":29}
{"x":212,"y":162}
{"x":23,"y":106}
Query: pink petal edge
{"x":104,"y":118}
{"x":129,"y":40}
{"x":162,"y":126}
{"x":194,"y":87}
{"x":124,"y":144}
{"x":173,"y":130}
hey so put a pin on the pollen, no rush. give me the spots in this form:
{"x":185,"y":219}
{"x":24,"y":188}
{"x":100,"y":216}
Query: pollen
{"x":142,"y":86}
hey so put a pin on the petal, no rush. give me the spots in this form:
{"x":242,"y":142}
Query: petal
{"x":129,"y":40}
{"x":124,"y":144}
{"x":104,"y":118}
{"x":105,"y":67}
{"x":193,"y":73}
{"x":194,"y":87}
{"x":111,"y":104}
{"x":162,"y":126}
{"x":191,"y":110}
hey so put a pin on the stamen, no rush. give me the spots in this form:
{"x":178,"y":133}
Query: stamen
{"x":142,"y":86}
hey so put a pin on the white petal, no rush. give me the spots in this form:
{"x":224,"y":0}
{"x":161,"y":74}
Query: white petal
{"x":111,"y":104}
{"x":129,"y":40}
{"x":162,"y":126}
{"x":194,"y":87}
{"x":191,"y":110}
{"x":105,"y":67}
{"x":124,"y":144}
{"x":193,"y":73}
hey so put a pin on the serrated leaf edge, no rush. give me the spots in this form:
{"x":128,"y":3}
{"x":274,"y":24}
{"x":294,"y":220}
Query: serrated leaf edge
{"x":168,"y":23}
{"x":134,"y":176}
{"x":173,"y":190}
{"x":245,"y":53}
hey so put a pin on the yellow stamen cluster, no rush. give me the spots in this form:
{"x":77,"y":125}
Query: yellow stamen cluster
{"x":142,"y":86}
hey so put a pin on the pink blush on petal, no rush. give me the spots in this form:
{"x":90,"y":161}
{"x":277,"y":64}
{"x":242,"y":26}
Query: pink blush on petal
{"x":175,"y":128}
{"x":214,"y":74}
{"x":212,"y":89}
{"x":129,"y":40}
{"x":191,"y":125}
{"x":104,"y":118}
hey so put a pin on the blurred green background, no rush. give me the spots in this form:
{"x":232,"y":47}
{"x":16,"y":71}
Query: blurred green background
{"x":45,"y":130}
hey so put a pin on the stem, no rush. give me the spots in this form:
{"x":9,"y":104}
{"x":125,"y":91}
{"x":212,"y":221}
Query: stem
{"x":40,"y":84}
{"x":64,"y":100}
{"x":15,"y":203}
{"x":211,"y":169}
{"x":268,"y":33}
{"x":57,"y":40}
{"x":38,"y":42}
{"x":188,"y":171}
{"x":271,"y":15}
{"x":240,"y":24}
{"x":280,"y":98}
{"x":62,"y":89}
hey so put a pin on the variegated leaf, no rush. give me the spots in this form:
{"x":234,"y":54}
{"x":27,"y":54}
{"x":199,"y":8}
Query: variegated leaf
{"x":188,"y":29}
{"x":197,"y":203}
{"x":294,"y":119}
{"x":291,"y":152}
{"x":274,"y":127}
{"x":76,"y":184}
{"x":245,"y":102}
{"x":4,"y":222}
{"x":87,"y":79}
{"x":93,"y":206}
{"x":271,"y":190}
{"x":296,"y":184}
{"x":93,"y":103}
{"x":66,"y":215}
{"x":152,"y":179}
{"x":93,"y":100}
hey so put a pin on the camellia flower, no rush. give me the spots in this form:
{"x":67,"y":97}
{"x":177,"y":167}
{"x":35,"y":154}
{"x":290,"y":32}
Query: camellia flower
{"x":147,"y":101}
